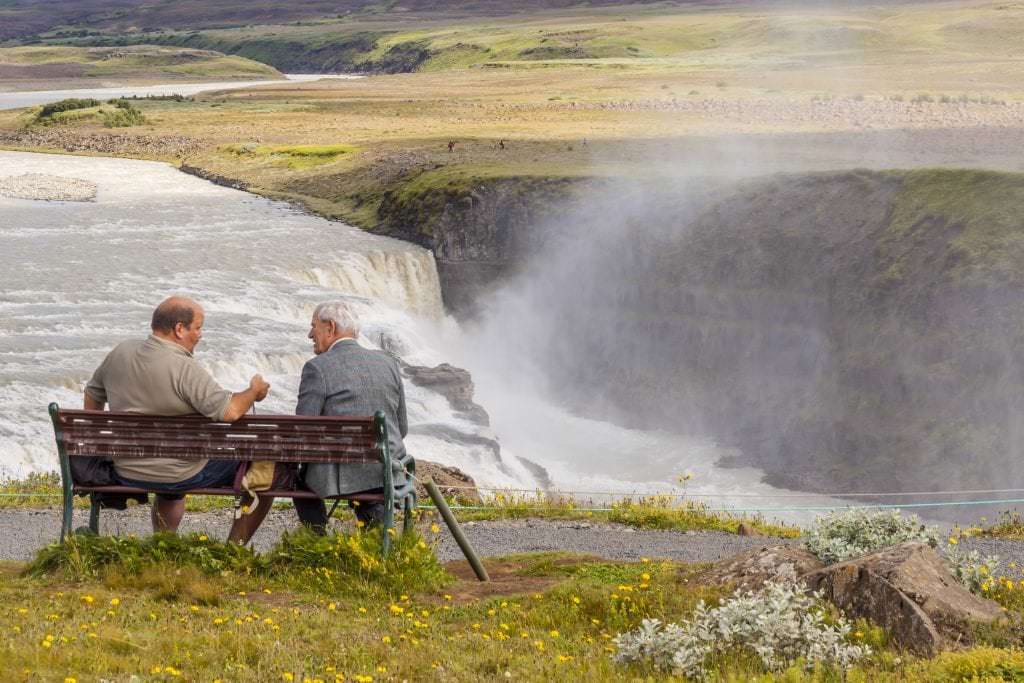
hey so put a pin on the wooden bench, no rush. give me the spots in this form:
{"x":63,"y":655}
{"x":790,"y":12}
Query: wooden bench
{"x":279,"y":438}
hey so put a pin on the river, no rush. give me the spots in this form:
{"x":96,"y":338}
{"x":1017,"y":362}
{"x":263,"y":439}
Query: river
{"x":78,"y":277}
{"x":31,"y":98}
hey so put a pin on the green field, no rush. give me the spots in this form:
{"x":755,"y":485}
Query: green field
{"x":59,"y":66}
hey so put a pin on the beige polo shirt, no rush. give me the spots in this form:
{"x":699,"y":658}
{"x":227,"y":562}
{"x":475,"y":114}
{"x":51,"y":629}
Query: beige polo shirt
{"x":157,"y":377}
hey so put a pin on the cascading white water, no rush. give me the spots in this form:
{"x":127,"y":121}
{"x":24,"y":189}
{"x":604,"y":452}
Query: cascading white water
{"x":78,"y":277}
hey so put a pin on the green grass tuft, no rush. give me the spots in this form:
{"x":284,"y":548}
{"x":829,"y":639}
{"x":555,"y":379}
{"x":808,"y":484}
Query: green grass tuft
{"x":334,"y":564}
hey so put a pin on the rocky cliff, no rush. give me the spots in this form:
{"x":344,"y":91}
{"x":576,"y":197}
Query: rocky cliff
{"x":845,"y":330}
{"x":481,"y":231}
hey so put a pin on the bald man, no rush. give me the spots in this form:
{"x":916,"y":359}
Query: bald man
{"x":160,"y":376}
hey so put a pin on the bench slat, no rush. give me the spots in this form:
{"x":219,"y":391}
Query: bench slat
{"x":289,"y":493}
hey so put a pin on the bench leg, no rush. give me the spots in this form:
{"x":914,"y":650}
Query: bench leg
{"x":409,"y":507}
{"x":69,"y":506}
{"x":94,"y":514}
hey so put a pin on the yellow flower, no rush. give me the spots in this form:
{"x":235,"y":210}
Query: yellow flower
{"x":362,"y":610}
{"x":286,"y":676}
{"x":331,"y":606}
{"x":88,"y":599}
{"x":115,"y":601}
{"x":386,"y":639}
{"x":204,"y":537}
{"x":434,"y":528}
{"x":69,"y":679}
{"x":952,"y":540}
{"x":553,"y":634}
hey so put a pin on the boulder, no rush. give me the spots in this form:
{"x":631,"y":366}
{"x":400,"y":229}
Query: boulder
{"x":753,"y":569}
{"x":908,"y":590}
{"x":455,"y":384}
{"x":450,"y":480}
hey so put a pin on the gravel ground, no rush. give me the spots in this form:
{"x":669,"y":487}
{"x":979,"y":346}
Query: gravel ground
{"x":22,"y":532}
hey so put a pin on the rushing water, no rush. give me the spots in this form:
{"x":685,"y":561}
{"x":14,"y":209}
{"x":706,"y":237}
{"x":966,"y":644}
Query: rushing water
{"x":30,"y":98}
{"x":78,"y":277}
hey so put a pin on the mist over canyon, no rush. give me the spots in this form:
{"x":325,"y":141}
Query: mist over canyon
{"x":853,"y":330}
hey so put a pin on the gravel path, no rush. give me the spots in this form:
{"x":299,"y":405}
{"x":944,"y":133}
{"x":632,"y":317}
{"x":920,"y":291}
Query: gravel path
{"x":22,"y":532}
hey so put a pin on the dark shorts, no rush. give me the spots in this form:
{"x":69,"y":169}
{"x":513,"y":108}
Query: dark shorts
{"x":215,"y":473}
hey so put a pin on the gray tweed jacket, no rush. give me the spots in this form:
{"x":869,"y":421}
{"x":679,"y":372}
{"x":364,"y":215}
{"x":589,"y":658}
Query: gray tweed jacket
{"x":351,"y":380}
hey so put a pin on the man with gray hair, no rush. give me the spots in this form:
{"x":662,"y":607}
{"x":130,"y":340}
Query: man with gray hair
{"x":348,"y":379}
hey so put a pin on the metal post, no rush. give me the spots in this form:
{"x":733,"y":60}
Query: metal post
{"x":381,"y":427}
{"x":453,"y":526}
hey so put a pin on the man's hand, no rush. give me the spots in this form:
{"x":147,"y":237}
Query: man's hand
{"x":243,"y":400}
{"x":259,"y":387}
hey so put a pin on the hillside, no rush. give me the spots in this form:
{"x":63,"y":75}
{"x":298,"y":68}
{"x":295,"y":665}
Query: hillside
{"x":28,"y":18}
{"x":52,"y":66}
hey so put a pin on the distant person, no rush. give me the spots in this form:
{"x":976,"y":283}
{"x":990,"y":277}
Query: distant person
{"x":345,"y":378}
{"x":501,"y":144}
{"x":451,"y":146}
{"x":160,"y":376}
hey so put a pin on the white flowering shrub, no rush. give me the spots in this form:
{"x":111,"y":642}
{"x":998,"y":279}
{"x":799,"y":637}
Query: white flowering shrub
{"x":976,"y":573}
{"x":778,"y":626}
{"x":843,"y":534}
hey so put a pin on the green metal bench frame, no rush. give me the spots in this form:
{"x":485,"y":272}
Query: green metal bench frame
{"x":278,"y":438}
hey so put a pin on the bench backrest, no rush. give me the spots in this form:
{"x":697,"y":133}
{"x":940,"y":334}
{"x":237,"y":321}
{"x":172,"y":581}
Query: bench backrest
{"x":283,"y":438}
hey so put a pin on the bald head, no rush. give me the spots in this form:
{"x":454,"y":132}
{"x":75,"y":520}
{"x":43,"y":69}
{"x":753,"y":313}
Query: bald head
{"x":170,"y":312}
{"x":179,"y":320}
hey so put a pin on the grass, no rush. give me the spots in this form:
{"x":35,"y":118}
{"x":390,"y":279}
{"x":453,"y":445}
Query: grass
{"x":70,"y":65}
{"x":478,"y":88}
{"x":650,"y":512}
{"x":980,"y":209}
{"x":162,"y":610}
{"x":294,"y":156}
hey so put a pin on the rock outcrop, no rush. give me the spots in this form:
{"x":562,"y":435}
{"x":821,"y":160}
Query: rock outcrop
{"x":754,"y":568}
{"x":455,"y":384}
{"x":906,"y":589}
{"x":480,"y":233}
{"x":451,"y":481}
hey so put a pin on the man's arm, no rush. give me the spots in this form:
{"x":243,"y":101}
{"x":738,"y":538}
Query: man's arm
{"x":403,"y":418}
{"x":312,"y":392}
{"x":92,"y":404}
{"x":241,"y":401}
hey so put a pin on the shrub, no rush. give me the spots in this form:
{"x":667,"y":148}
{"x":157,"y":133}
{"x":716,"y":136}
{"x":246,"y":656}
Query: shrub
{"x":976,"y":573}
{"x":979,"y":664}
{"x":841,"y":535}
{"x":66,"y":105}
{"x":123,"y":116}
{"x":777,"y":626}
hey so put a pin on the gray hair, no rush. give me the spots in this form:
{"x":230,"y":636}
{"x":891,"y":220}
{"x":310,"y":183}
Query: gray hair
{"x":340,"y":313}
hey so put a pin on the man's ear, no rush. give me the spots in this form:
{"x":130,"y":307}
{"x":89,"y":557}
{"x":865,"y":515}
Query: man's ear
{"x":179,"y":330}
